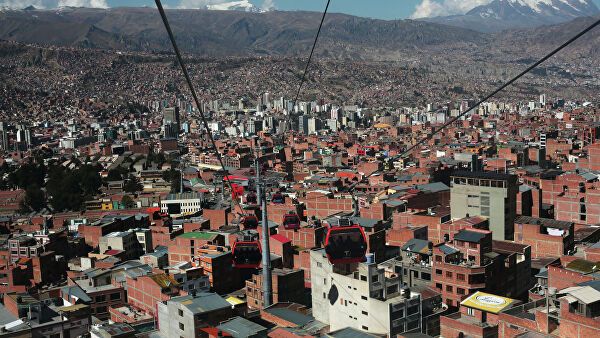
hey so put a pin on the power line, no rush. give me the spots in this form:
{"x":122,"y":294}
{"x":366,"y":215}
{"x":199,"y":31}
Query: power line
{"x":191,"y":86}
{"x":312,"y":50}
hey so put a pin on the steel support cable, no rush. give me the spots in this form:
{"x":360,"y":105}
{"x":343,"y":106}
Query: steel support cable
{"x":191,"y":87}
{"x":312,"y":50}
{"x":499,"y":89}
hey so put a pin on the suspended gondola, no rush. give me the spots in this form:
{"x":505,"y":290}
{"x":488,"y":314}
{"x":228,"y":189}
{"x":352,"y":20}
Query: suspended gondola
{"x":345,"y":244}
{"x":251,"y":198}
{"x":246,"y":254}
{"x":291,"y":222}
{"x":250,"y":222}
{"x":278,"y":198}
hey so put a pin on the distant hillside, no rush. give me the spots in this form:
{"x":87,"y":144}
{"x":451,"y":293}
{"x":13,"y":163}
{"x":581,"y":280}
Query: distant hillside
{"x":276,"y":33}
{"x":228,"y":33}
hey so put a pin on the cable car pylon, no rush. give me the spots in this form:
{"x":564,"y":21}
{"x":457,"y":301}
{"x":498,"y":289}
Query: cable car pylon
{"x":266,"y":252}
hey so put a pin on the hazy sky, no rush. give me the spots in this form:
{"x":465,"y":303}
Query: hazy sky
{"x":381,"y":9}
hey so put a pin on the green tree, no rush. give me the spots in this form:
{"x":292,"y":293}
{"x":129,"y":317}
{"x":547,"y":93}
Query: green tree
{"x":35,"y":199}
{"x":127,"y":202}
{"x":132,"y":185}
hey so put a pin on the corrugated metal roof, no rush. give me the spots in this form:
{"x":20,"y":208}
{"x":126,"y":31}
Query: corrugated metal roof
{"x":469,"y":236}
{"x":163,"y":280}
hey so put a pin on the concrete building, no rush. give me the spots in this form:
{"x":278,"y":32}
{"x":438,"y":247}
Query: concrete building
{"x":171,"y":116}
{"x":416,"y":262}
{"x":485,"y":194}
{"x":362,"y":298}
{"x":122,"y":240}
{"x":184,"y":316}
{"x":181,"y":204}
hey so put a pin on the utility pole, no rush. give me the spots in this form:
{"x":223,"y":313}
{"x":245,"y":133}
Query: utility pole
{"x":266,"y":252}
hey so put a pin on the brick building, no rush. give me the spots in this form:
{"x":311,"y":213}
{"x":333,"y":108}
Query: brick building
{"x":145,"y":292}
{"x":288,"y":286}
{"x":469,"y":264}
{"x":547,"y":237}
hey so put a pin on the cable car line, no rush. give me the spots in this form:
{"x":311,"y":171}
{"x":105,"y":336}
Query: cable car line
{"x":312,"y":50}
{"x":191,"y":87}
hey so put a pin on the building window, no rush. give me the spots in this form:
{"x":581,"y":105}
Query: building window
{"x":425,"y":276}
{"x":101,"y":309}
{"x":438,"y":272}
{"x":470,"y":311}
{"x":101,"y":299}
{"x":180,"y":312}
{"x":375,"y":278}
{"x":519,"y":236}
{"x":365,"y":328}
{"x":460,"y":276}
{"x":115,"y":296}
{"x":365,"y":313}
{"x":438,"y":286}
{"x":473,"y":245}
{"x":438,"y":258}
{"x":181,"y":326}
{"x":449,"y":288}
{"x":448,"y":274}
{"x":363,"y":297}
{"x":363,"y":278}
{"x":460,"y":291}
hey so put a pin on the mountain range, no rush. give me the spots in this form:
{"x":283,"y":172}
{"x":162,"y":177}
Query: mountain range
{"x":275,"y":33}
{"x":509,"y":14}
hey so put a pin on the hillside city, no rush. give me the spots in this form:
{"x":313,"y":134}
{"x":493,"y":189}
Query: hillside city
{"x":118,"y":220}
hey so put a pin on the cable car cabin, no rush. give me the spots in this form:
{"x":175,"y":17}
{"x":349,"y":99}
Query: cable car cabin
{"x":246,"y":254}
{"x":250,"y":222}
{"x":251,"y":199}
{"x":278,"y":198}
{"x":345,"y":244}
{"x":291,"y":221}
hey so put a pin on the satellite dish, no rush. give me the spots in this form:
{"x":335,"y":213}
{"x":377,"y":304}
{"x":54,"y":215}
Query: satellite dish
{"x":333,"y":294}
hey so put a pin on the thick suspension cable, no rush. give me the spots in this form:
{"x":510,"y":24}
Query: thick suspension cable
{"x":191,"y":87}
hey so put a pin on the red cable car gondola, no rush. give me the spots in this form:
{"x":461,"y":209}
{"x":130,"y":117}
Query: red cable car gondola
{"x":291,"y":221}
{"x":250,"y":222}
{"x":251,"y":198}
{"x":345,"y":244}
{"x":278,"y":198}
{"x":246,"y":254}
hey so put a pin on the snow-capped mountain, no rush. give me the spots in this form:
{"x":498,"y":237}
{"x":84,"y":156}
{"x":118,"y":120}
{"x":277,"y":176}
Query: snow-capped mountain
{"x":506,"y":14}
{"x":236,"y":5}
{"x":241,"y":5}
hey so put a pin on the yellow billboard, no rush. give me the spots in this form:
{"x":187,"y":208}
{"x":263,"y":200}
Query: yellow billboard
{"x":487,"y":302}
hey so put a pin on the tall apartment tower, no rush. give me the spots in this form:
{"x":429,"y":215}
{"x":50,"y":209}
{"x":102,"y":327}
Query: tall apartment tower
{"x":171,"y":116}
{"x":486,"y":194}
{"x":303,"y":124}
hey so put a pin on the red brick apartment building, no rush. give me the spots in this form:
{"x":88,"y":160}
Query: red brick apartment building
{"x":288,"y":286}
{"x":478,"y":316}
{"x":184,"y":247}
{"x":474,"y":262}
{"x":547,"y":237}
{"x":322,"y":206}
{"x":569,"y":312}
{"x":145,"y":291}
